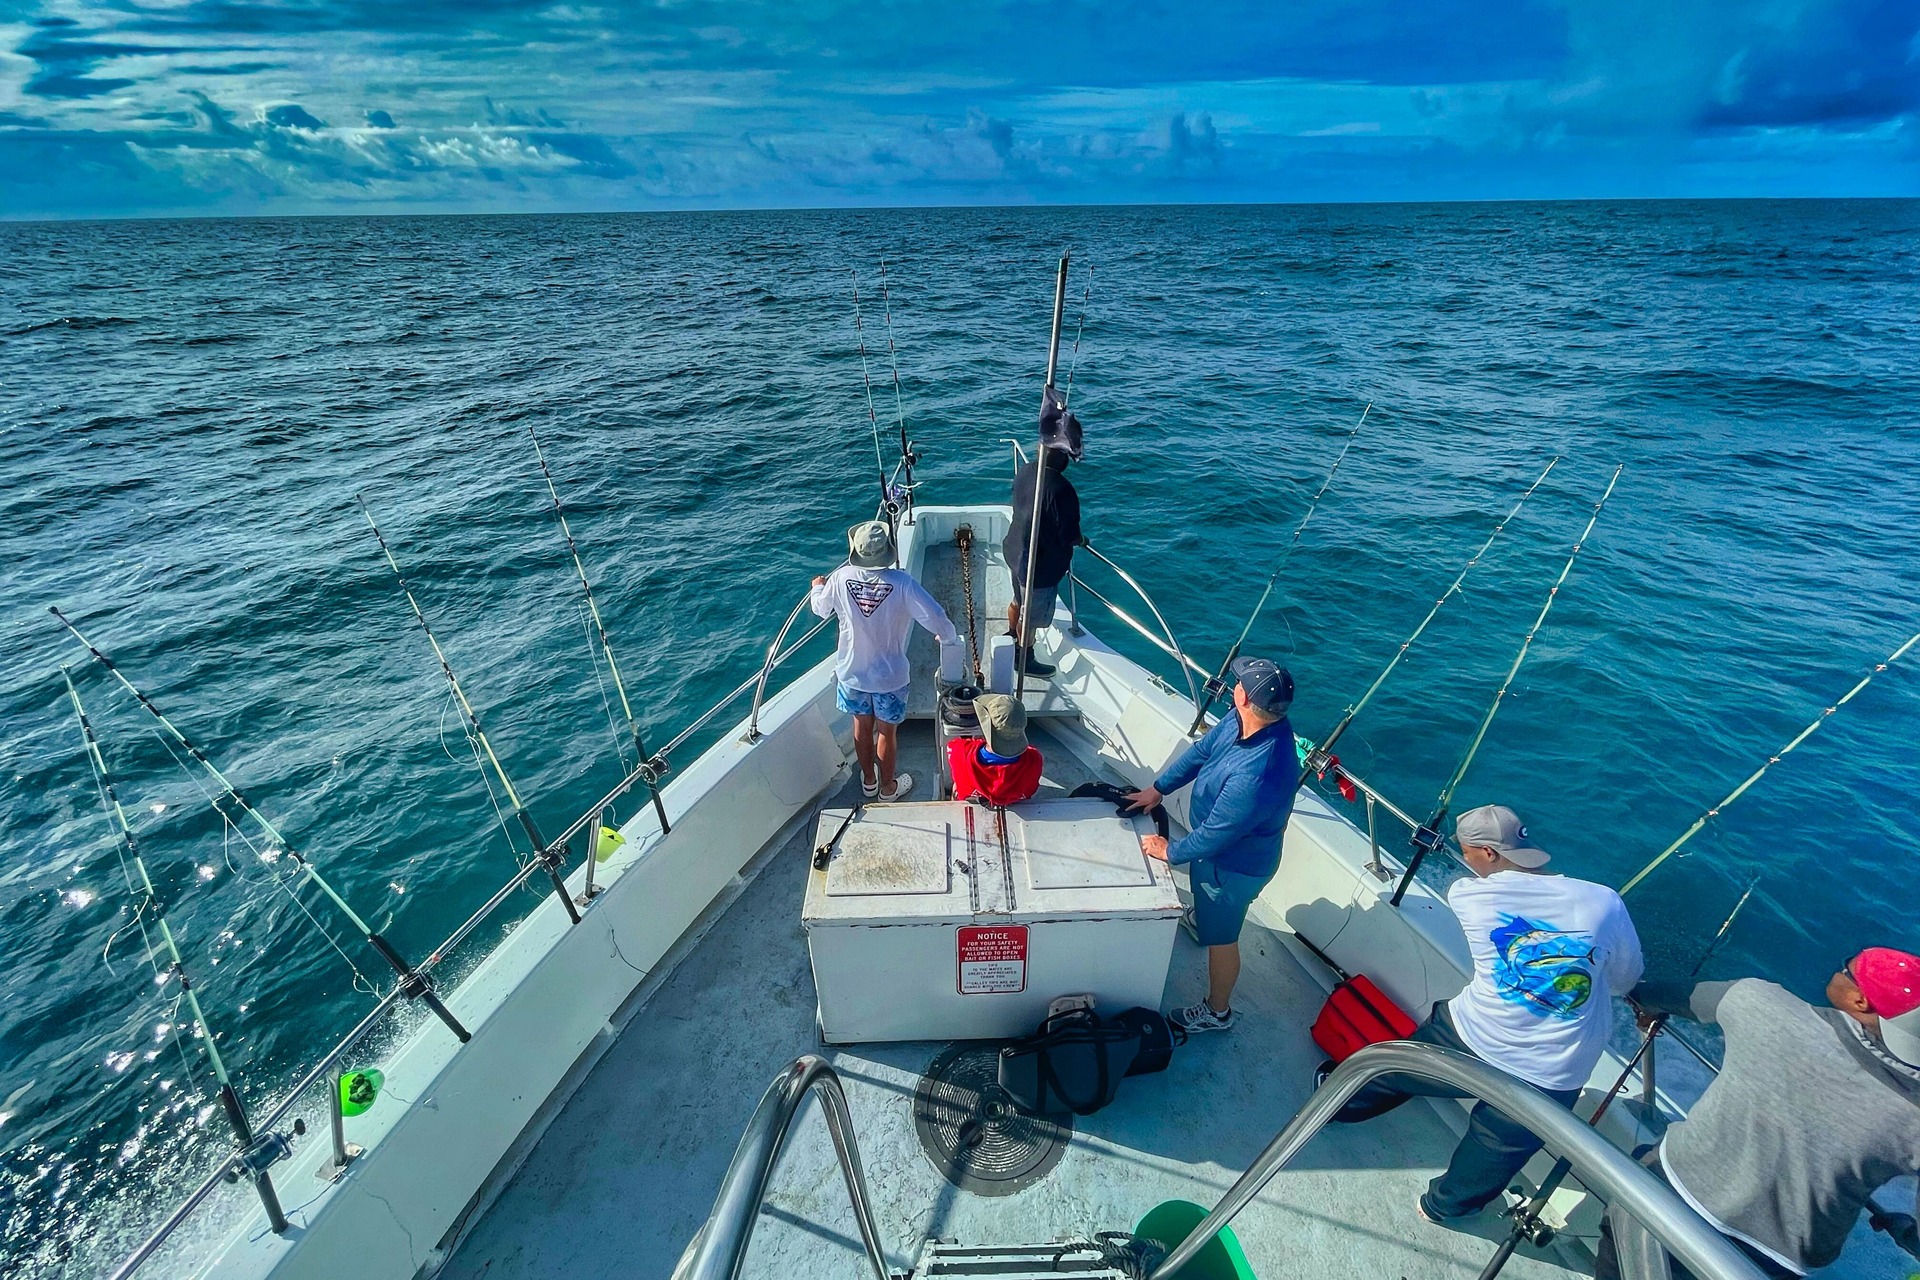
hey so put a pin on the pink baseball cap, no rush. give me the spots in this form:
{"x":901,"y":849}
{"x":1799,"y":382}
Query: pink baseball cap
{"x":1890,"y":980}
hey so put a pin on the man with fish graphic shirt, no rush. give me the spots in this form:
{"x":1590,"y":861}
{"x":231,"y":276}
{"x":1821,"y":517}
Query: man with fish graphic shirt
{"x":1549,"y":954}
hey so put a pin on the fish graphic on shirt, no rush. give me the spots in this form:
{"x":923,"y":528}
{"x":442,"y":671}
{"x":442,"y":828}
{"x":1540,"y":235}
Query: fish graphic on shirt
{"x":1546,"y":969}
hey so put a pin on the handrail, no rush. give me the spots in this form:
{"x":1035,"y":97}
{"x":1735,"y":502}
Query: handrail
{"x":766,"y":668}
{"x":721,"y":1247}
{"x":1146,"y":633}
{"x":1602,"y":1167}
{"x":1187,"y":666}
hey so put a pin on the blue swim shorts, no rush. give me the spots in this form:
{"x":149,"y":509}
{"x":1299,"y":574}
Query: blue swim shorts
{"x":1220,"y":901}
{"x":889,"y":708}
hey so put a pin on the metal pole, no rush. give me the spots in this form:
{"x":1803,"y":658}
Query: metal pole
{"x":1023,"y":641}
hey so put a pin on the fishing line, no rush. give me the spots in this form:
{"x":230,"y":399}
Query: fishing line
{"x":1320,"y":759}
{"x":873,"y":419}
{"x":654,"y":767}
{"x":414,"y":985}
{"x":1428,"y":837}
{"x":906,"y":454}
{"x":1772,"y":760}
{"x":606,"y":704}
{"x":549,"y":858}
{"x":229,"y":1096}
{"x":1218,"y":685}
{"x":1073,"y":361}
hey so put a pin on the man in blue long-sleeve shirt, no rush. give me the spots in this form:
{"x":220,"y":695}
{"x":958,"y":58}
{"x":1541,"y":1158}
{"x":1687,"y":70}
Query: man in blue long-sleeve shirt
{"x":1243,"y":773}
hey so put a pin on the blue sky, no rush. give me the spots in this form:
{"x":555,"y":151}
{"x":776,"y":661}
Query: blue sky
{"x":233,"y":106}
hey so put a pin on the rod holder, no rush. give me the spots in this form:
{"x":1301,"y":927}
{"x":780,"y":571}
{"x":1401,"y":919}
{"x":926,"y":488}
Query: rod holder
{"x":415,"y":985}
{"x":1425,"y":841}
{"x":344,"y":1152}
{"x":589,"y":890}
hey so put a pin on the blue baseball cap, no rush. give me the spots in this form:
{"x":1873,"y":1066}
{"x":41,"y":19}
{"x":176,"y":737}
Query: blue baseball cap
{"x":1269,"y":686}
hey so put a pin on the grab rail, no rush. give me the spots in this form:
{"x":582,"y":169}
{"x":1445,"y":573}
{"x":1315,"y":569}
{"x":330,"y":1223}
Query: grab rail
{"x":721,"y":1247}
{"x":1606,"y":1170}
{"x":1187,"y":666}
{"x":766,"y":668}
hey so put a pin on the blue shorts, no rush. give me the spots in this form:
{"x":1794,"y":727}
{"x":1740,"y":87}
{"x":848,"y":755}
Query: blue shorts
{"x":1220,"y":901}
{"x":889,"y":708}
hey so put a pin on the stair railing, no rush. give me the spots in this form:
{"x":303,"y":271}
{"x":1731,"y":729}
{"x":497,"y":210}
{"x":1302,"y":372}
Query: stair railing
{"x":1601,"y":1167}
{"x":721,"y":1247}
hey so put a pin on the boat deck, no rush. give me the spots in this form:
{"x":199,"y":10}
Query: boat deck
{"x":627,"y":1169}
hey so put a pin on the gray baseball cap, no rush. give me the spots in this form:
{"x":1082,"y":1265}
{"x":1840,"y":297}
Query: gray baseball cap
{"x":870,"y":545}
{"x":1499,"y":828}
{"x":1003,"y":722}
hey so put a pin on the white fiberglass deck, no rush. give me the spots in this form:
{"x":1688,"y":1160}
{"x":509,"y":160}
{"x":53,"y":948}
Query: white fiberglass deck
{"x":627,"y":1171}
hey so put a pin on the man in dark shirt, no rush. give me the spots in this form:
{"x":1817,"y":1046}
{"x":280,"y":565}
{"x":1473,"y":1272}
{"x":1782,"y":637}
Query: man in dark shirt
{"x":1053,"y":555}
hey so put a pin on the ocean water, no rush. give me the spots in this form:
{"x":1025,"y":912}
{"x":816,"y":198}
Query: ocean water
{"x":190,"y":409}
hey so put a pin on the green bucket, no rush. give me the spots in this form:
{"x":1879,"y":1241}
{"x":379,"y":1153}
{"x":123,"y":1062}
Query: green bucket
{"x":1220,"y":1259}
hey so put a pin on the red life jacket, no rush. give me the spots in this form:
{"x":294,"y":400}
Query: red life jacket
{"x":1001,"y":784}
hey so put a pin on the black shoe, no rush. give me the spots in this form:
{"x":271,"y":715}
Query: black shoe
{"x":1033,"y":666}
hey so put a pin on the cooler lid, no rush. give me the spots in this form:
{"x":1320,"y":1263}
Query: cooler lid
{"x":1082,"y":845}
{"x":885,"y":853}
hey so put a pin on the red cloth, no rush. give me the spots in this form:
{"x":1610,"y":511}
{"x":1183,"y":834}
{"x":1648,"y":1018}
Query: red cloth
{"x":1001,"y":784}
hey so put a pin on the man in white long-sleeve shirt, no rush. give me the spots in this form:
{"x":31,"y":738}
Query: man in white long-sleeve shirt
{"x":1549,"y":954}
{"x":877,"y":606}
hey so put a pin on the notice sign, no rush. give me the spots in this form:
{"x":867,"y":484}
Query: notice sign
{"x":993,"y":959}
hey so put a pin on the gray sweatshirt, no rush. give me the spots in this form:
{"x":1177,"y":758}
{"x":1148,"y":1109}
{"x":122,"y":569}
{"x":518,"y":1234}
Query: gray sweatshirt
{"x":1809,"y":1116}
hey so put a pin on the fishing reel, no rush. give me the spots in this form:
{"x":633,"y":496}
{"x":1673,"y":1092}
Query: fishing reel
{"x":265,"y":1151}
{"x":1528,"y":1226}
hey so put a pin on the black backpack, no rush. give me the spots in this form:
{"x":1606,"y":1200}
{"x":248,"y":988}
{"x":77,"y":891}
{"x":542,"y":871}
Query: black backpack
{"x":1076,"y":1060}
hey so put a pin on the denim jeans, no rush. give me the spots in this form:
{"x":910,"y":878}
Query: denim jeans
{"x":1491,"y":1153}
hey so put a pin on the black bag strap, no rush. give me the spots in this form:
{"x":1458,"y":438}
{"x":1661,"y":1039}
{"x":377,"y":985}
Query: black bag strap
{"x":1117,"y":797}
{"x":1050,"y":1081}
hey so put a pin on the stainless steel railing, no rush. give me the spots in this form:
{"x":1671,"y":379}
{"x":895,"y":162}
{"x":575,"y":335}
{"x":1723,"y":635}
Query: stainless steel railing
{"x":721,"y":1247}
{"x":1602,"y":1167}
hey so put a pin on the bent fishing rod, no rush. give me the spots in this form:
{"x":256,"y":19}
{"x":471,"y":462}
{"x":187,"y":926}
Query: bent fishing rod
{"x":1429,"y":837}
{"x":550,"y":859}
{"x":150,"y":907}
{"x":413,"y":984}
{"x":1218,"y":684}
{"x":1321,"y":758}
{"x":1527,"y":1227}
{"x":651,"y":767}
{"x":1772,"y":760}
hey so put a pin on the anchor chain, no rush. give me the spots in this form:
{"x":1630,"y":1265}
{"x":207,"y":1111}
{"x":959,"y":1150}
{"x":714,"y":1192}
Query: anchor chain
{"x":963,"y":538}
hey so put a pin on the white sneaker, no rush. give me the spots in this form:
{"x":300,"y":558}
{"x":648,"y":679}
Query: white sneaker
{"x":1196,"y":1018}
{"x":902,"y":787}
{"x":869,"y":789}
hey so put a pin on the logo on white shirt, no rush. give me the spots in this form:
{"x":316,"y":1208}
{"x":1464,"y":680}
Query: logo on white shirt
{"x":867,"y":596}
{"x":1542,"y":968}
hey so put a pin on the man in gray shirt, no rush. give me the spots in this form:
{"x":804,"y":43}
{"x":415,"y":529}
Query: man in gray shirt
{"x":1812,"y":1112}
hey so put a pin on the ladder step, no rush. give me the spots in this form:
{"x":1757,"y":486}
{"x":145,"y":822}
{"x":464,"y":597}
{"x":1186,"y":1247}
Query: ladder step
{"x":1077,"y":1258}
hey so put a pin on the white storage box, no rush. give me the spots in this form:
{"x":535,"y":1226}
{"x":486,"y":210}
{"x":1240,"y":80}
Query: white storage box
{"x":949,"y":921}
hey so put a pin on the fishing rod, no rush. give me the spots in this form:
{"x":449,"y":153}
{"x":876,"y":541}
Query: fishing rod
{"x":1023,"y":642}
{"x":873,"y":419}
{"x":1772,"y":760}
{"x":653,"y":767}
{"x":1080,"y":327}
{"x":413,"y":984}
{"x":907,"y":455}
{"x":1428,"y":837}
{"x":150,"y":906}
{"x":1527,"y":1226}
{"x":550,"y":859}
{"x":1321,"y":758}
{"x":1218,"y":685}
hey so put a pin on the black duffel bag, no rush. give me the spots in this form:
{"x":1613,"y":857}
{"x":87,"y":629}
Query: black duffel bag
{"x":1076,"y":1060}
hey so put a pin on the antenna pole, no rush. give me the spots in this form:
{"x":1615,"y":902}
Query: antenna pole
{"x":413,"y":984}
{"x":1023,"y":642}
{"x":1428,"y":837}
{"x":651,"y":768}
{"x":549,"y":859}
